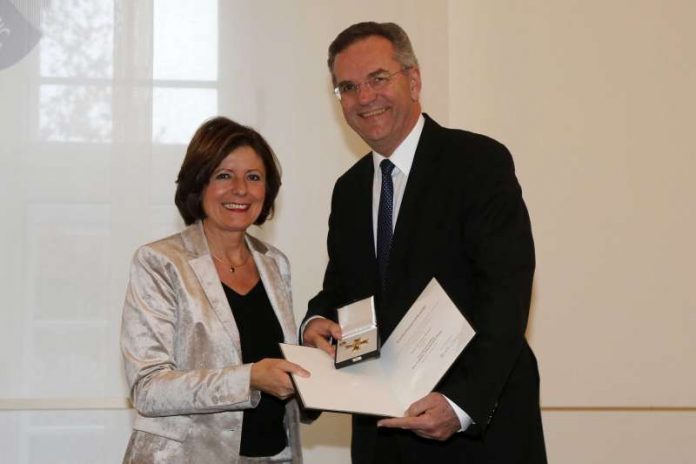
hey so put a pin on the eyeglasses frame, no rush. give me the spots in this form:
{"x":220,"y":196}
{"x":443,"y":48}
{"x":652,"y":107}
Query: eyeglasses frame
{"x":368,"y":82}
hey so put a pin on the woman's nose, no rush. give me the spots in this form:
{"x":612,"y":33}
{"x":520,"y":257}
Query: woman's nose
{"x":239,"y":186}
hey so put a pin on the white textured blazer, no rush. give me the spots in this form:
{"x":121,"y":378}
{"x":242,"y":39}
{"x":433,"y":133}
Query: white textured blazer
{"x":182,"y":353}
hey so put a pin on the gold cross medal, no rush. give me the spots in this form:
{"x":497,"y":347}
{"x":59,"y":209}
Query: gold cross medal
{"x":360,"y":340}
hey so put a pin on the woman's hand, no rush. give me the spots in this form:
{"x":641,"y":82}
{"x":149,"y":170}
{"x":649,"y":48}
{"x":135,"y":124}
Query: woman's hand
{"x":271,"y":376}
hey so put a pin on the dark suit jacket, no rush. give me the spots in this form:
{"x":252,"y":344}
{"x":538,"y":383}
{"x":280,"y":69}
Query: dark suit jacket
{"x":463,"y":221}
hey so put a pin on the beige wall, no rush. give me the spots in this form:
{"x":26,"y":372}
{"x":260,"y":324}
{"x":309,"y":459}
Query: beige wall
{"x":597,"y":100}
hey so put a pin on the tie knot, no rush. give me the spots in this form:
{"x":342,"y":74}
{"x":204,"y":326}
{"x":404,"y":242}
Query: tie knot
{"x":387,"y":167}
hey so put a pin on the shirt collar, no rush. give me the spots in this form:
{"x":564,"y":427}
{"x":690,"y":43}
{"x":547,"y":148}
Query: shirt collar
{"x":404,"y":153}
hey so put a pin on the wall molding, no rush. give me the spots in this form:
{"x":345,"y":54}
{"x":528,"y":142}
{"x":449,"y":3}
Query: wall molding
{"x":52,"y":404}
{"x":619,"y":408}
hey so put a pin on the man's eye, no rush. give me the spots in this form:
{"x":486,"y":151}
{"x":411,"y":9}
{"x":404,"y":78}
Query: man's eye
{"x":348,"y":87}
{"x":378,"y":81}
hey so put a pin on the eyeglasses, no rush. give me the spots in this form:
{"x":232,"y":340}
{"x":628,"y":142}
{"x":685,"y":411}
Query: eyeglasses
{"x":379,"y":81}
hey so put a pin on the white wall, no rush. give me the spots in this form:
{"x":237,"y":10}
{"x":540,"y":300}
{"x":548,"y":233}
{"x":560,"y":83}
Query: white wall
{"x":595,"y":100}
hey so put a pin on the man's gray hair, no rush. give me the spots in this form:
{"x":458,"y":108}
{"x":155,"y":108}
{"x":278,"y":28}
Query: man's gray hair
{"x":403,"y":50}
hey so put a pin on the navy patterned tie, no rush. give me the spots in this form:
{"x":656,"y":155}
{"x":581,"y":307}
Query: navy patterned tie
{"x":385,"y":215}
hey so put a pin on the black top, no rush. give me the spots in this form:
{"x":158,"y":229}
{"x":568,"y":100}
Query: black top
{"x":263,"y":432}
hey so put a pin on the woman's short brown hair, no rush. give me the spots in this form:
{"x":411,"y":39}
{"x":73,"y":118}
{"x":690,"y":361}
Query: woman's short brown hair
{"x":211,"y":144}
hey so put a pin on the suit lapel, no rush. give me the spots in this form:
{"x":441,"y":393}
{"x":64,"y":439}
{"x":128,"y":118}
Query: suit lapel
{"x":414,"y":215}
{"x":421,"y":181}
{"x":362,"y":195}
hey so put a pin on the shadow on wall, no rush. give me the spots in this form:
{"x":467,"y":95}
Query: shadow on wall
{"x":330,"y":430}
{"x":532,"y":313}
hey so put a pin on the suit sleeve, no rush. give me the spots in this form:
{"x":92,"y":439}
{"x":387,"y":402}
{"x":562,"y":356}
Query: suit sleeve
{"x":158,"y":387}
{"x":499,"y":246}
{"x":330,"y":297}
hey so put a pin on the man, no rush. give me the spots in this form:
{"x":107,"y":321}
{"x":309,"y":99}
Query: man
{"x":445,"y":204}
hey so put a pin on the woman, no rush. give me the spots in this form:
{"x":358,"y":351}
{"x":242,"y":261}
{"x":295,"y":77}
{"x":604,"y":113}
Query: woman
{"x":204,"y":312}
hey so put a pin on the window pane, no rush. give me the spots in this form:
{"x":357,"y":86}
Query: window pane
{"x":75,"y":113}
{"x":78,"y":39}
{"x":177,"y":113}
{"x":185,"y":40}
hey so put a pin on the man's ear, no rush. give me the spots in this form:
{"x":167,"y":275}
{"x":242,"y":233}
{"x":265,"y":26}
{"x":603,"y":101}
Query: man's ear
{"x":414,"y":83}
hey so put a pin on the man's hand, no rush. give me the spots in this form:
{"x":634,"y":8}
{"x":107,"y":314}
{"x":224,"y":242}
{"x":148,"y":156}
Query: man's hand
{"x":317,"y":333}
{"x":430,"y":417}
{"x":272,"y":376}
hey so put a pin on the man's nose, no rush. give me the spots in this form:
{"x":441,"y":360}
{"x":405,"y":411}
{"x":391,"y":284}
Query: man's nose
{"x":366,"y":93}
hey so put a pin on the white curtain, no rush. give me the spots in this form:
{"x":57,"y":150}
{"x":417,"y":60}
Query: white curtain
{"x":95,"y":114}
{"x":95,"y":118}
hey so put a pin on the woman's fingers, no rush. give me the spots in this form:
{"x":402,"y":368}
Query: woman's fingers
{"x":292,"y":368}
{"x":271,"y":376}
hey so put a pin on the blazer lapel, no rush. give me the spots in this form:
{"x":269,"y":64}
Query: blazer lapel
{"x":276,"y":288}
{"x":204,"y":268}
{"x":364,"y":237}
{"x":421,"y":180}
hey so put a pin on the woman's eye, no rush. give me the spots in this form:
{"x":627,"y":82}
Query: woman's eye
{"x":254,"y":177}
{"x":222,"y":176}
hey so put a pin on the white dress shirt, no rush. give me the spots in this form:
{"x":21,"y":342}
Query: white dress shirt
{"x":402,"y":159}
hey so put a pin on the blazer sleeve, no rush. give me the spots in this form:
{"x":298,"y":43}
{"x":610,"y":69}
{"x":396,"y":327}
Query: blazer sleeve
{"x":158,"y":386}
{"x":351,"y":271}
{"x":330,"y":297}
{"x":500,"y":247}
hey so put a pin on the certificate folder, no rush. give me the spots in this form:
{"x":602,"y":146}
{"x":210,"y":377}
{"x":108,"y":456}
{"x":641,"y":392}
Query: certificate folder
{"x":423,"y":346}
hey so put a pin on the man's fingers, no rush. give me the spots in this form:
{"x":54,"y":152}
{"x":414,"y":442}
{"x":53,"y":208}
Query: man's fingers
{"x":319,"y":331}
{"x":322,"y":327}
{"x":414,"y":414}
{"x":323,"y":344}
{"x":430,"y":417}
{"x":409,"y":423}
{"x":419,"y":407}
{"x":335,"y":330}
{"x":416,"y":409}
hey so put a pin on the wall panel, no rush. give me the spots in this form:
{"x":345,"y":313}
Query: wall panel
{"x":596,"y":102}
